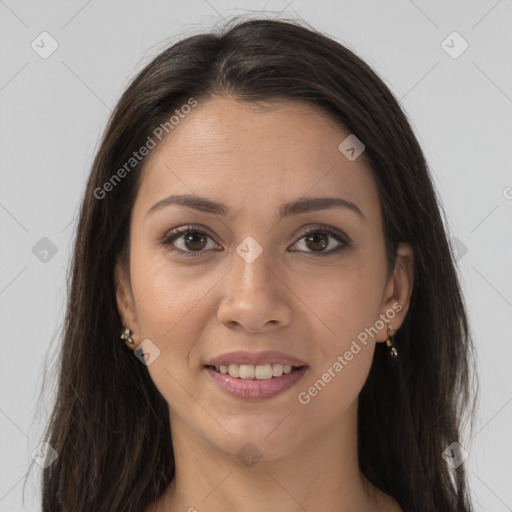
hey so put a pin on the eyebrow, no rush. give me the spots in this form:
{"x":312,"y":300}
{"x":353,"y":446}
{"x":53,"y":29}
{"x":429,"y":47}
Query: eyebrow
{"x":204,"y":204}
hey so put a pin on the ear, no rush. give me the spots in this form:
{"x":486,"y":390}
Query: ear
{"x":398,"y":291}
{"x":124,"y":298}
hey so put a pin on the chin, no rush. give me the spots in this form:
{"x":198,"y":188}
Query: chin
{"x":266,"y":438}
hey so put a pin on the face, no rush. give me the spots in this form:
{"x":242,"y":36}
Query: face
{"x":250,"y":275}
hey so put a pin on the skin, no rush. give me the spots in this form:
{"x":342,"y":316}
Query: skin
{"x":312,"y":307}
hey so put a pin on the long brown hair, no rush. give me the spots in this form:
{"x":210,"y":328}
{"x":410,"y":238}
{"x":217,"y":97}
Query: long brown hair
{"x":110,"y":425}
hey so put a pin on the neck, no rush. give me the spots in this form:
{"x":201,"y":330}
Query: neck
{"x":320,"y":474}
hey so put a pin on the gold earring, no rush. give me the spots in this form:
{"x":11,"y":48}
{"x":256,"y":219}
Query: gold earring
{"x":389,"y":342}
{"x":126,"y":336}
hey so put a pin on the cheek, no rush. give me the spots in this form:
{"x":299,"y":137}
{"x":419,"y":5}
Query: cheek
{"x":169,"y":308}
{"x":173,"y":303}
{"x":166,"y":295}
{"x":166,"y":305}
{"x":348,"y":304}
{"x":344,"y":357}
{"x":347,"y":298}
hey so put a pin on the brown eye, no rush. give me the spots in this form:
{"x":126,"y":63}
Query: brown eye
{"x":188,"y":242}
{"x":194,"y":241}
{"x":317,"y":241}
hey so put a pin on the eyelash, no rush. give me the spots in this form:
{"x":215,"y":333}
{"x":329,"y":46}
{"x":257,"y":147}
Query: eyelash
{"x":175,"y":235}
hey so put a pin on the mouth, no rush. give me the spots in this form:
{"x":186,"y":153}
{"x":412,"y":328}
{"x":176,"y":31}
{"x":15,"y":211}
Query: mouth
{"x":253,"y":382}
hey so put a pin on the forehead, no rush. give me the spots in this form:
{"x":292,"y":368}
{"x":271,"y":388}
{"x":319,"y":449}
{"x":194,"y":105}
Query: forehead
{"x":254,"y":155}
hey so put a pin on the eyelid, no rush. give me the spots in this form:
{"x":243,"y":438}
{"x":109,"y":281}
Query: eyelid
{"x":335,"y":233}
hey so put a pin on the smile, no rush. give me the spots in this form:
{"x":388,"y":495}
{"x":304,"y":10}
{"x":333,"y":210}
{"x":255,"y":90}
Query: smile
{"x":254,"y":382}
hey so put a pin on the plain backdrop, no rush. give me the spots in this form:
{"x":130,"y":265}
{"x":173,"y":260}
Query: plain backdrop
{"x":54,"y":107}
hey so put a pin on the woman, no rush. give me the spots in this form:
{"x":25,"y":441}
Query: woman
{"x":264,"y":313}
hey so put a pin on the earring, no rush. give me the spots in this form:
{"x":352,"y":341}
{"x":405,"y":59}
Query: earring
{"x":126,"y":336}
{"x":389,"y":342}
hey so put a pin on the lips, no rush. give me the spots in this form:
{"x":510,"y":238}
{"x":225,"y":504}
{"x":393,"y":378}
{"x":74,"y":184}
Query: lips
{"x":233,"y":373}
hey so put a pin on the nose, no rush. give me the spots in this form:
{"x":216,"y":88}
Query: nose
{"x":256,"y":298}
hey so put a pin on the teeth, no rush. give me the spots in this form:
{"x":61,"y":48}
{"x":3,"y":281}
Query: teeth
{"x":277,"y":370}
{"x":259,"y":372}
{"x":234,"y":370}
{"x":263,"y":372}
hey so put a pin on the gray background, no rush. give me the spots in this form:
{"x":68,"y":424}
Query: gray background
{"x":53,"y":111}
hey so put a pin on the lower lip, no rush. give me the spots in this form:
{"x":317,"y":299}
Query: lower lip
{"x":256,"y":389}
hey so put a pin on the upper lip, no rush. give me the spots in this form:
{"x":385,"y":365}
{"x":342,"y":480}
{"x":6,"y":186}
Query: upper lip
{"x":254,"y":358}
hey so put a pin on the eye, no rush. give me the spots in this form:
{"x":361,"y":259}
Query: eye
{"x":317,"y":239}
{"x":192,"y":241}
